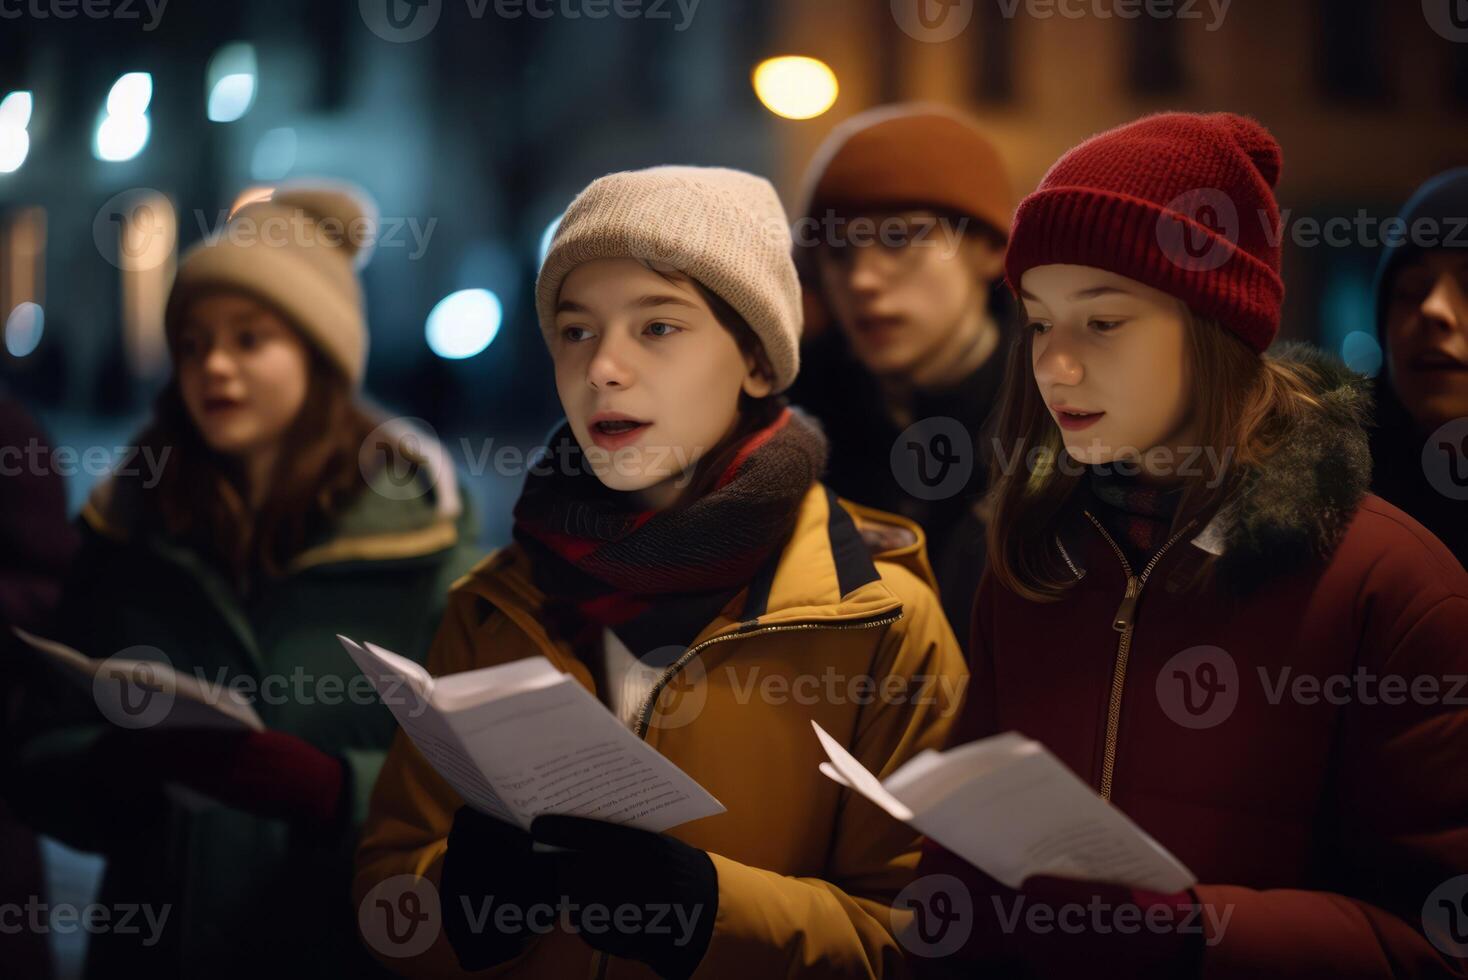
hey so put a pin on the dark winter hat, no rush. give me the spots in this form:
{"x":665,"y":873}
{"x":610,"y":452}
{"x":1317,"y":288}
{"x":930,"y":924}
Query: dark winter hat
{"x":1183,"y":202}
{"x":1443,"y":201}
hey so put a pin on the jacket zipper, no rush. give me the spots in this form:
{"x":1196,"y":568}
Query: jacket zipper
{"x":644,"y":713}
{"x":1124,"y":622}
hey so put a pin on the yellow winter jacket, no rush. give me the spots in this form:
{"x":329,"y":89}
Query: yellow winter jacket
{"x":807,"y":870}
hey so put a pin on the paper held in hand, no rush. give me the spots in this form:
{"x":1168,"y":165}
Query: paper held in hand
{"x":134,"y":693}
{"x":1006,"y":805}
{"x":522,"y":739}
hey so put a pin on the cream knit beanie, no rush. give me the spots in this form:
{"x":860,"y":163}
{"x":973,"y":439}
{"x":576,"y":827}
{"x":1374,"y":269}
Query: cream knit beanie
{"x":299,"y":250}
{"x":724,"y":228}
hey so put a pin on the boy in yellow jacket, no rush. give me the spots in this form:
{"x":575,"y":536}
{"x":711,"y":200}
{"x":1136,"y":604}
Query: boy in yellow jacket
{"x":676,"y":553}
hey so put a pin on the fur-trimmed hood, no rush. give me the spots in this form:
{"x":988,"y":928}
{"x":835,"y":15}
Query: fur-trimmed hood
{"x":1297,"y":504}
{"x":402,"y":513}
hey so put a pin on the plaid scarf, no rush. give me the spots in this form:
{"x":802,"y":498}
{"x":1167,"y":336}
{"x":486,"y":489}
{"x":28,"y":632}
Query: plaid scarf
{"x":608,"y":564}
{"x":1138,"y":516}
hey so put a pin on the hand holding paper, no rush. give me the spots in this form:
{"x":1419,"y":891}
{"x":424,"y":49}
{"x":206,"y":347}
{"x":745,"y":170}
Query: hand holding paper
{"x":1011,"y":809}
{"x":522,"y":739}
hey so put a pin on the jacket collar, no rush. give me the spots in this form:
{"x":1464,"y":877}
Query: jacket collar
{"x":398,"y":516}
{"x":825,"y":575}
{"x":1297,"y":503}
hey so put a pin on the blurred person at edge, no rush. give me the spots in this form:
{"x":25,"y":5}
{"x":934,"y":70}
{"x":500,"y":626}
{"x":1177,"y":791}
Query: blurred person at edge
{"x":1150,"y":624}
{"x":1422,"y":393}
{"x":36,"y":546}
{"x":286,"y":512}
{"x":901,"y":243}
{"x":684,"y":542}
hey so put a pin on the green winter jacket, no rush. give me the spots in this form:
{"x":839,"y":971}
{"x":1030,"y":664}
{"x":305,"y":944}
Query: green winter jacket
{"x":245,"y":896}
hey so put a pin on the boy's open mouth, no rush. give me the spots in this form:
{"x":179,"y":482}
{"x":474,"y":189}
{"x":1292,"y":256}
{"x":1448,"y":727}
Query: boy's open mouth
{"x":617,"y":426}
{"x":612,"y":430}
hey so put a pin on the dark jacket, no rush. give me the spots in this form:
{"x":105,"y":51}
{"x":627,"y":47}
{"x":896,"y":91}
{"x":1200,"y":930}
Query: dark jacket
{"x":36,"y":545}
{"x":1397,"y":441}
{"x":249,"y":896}
{"x":835,"y":388}
{"x":1322,"y":813}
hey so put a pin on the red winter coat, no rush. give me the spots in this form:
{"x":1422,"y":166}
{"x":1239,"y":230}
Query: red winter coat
{"x":1297,"y":736}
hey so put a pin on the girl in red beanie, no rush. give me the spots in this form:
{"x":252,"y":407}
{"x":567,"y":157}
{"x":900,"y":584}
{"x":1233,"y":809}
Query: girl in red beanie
{"x":1193,"y":601}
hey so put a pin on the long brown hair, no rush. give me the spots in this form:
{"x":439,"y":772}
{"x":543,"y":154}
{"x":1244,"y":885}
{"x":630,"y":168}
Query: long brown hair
{"x":201,"y":496}
{"x":1244,"y":405}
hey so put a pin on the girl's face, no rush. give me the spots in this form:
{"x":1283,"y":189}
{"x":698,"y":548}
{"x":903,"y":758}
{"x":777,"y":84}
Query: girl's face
{"x":900,"y":292}
{"x":243,"y":373}
{"x":1109,"y":356}
{"x":1427,"y":337}
{"x":648,"y":377}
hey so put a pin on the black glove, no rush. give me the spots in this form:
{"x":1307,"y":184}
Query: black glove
{"x":672,"y":889}
{"x":489,"y":864}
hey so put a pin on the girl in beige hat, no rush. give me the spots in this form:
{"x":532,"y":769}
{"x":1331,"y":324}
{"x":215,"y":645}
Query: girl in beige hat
{"x":676,"y":553}
{"x":282,"y":514}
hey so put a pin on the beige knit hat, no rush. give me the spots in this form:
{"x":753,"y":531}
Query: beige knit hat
{"x":724,"y":228}
{"x":298,"y":250}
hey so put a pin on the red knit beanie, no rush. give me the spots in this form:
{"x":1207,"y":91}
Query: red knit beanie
{"x":1180,"y":201}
